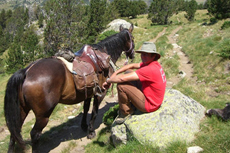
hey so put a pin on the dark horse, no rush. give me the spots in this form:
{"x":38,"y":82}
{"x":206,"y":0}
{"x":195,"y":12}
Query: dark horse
{"x":47,"y":82}
{"x":223,"y":114}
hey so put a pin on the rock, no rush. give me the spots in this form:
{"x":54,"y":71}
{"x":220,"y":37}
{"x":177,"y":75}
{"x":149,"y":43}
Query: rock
{"x":177,"y":119}
{"x":182,"y":74}
{"x":115,"y":25}
{"x":71,"y":117}
{"x":195,"y":149}
{"x":119,"y":135}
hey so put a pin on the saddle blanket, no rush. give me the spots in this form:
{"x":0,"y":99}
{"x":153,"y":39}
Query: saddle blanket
{"x":69,"y":65}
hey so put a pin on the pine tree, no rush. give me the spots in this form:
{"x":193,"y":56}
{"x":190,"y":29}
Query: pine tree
{"x":190,"y":9}
{"x":17,"y":20}
{"x":111,"y":13}
{"x":219,"y":8}
{"x":96,"y":21}
{"x":133,"y":9}
{"x":161,"y":10}
{"x":29,"y":45}
{"x":40,"y":20}
{"x":3,"y":18}
{"x":122,"y":6}
{"x":63,"y":24}
{"x":9,"y":14}
{"x":4,"y":40}
{"x":14,"y":58}
{"x":142,"y":6}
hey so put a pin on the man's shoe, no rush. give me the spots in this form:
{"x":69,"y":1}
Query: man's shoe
{"x":121,"y":118}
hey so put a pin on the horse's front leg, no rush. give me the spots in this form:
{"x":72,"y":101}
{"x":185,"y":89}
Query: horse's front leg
{"x":86,"y":106}
{"x":11,"y":145}
{"x":96,"y":103}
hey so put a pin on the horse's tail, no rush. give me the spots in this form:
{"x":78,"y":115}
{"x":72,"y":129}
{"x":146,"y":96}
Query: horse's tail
{"x":12,"y":105}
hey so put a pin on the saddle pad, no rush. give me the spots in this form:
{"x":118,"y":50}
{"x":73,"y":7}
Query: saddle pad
{"x":68,"y":65}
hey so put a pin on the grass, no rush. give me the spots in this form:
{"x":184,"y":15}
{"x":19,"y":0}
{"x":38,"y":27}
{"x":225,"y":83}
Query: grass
{"x":145,"y":31}
{"x":3,"y":81}
{"x":214,"y":136}
{"x":102,"y":144}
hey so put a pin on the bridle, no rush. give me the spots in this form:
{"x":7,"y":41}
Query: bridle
{"x":131,"y":48}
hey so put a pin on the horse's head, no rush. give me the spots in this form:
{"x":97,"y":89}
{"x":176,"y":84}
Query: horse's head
{"x":130,"y":43}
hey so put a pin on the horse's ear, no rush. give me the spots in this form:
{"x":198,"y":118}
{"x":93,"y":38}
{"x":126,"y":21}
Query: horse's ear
{"x":131,"y":28}
{"x":121,"y":27}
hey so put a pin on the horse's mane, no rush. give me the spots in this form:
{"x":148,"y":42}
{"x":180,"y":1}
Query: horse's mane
{"x":114,"y":45}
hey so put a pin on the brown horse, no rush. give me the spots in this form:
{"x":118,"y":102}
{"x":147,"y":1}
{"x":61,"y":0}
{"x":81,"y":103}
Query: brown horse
{"x":47,"y":82}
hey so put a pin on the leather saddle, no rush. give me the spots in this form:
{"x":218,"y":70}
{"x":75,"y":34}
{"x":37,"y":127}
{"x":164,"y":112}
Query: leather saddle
{"x":99,"y":60}
{"x":88,"y":62}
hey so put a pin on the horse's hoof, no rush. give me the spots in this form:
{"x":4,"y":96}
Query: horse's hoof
{"x":84,"y":127}
{"x":91,"y":135}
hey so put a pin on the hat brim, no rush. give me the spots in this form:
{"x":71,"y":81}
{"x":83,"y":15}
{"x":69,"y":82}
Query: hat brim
{"x":147,"y":51}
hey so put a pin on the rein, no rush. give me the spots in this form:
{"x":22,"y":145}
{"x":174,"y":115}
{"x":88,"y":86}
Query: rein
{"x":130,"y":37}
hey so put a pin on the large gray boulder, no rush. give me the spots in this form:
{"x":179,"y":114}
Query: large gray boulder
{"x":115,"y":25}
{"x":177,"y":119}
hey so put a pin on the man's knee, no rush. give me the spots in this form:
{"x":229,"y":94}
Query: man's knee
{"x":119,"y":86}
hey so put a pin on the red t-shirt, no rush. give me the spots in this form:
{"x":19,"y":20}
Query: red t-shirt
{"x":153,"y":82}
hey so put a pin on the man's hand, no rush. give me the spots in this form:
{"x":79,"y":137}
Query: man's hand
{"x":106,"y":85}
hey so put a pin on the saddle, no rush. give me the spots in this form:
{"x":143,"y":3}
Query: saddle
{"x":99,"y":60}
{"x":87,"y":63}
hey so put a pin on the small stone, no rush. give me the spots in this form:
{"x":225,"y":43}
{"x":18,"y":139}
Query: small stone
{"x":194,"y":149}
{"x":71,"y":117}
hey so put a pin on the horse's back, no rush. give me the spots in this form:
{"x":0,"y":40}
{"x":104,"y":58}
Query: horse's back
{"x":45,"y":84}
{"x":44,"y":72}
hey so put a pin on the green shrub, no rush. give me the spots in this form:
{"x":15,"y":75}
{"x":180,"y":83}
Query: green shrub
{"x":213,"y":20}
{"x":106,"y":34}
{"x":225,"y":25}
{"x":225,"y":50}
{"x":217,"y":38}
{"x":110,"y":115}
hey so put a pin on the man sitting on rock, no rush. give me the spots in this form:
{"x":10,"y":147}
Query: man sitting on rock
{"x":149,"y":94}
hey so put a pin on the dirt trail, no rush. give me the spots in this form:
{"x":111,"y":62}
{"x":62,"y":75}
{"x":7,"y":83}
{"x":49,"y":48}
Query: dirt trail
{"x":158,"y":36}
{"x":80,"y":137}
{"x":60,"y":140}
{"x":185,"y":67}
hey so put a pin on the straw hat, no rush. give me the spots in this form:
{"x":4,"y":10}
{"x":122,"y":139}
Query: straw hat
{"x":149,"y":47}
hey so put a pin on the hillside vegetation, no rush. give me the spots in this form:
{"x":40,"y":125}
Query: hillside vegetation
{"x":15,"y":3}
{"x":202,"y":42}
